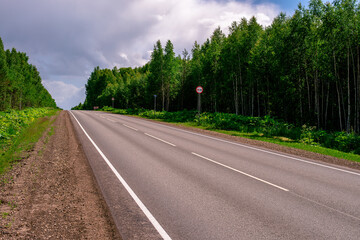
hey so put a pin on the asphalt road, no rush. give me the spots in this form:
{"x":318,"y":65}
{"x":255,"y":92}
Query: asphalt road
{"x":191,"y":186}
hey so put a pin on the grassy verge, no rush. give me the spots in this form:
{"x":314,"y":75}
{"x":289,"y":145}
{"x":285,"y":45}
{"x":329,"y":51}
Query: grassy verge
{"x":24,"y":141}
{"x":304,"y":141}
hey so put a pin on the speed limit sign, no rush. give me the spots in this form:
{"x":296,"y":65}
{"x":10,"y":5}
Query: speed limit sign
{"x":199,"y":89}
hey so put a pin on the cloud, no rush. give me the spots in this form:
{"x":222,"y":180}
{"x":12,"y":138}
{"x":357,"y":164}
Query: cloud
{"x":66,"y":95}
{"x":67,"y":38}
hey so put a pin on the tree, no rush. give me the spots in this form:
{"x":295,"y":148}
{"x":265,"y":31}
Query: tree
{"x":169,"y":70}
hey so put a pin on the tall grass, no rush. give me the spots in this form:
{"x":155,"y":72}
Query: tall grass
{"x":19,"y":131}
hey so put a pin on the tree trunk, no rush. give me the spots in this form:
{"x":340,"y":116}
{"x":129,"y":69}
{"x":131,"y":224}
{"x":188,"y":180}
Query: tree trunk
{"x":338,"y":92}
{"x":163,"y":98}
{"x":241,"y":88}
{"x":308,"y":88}
{"x":348,"y":93}
{"x":358,"y":91}
{"x":167,"y":97}
{"x":258,"y":97}
{"x":268,"y":97}
{"x":252,"y":99}
{"x":327,"y":104}
{"x":236,"y":95}
{"x":300,"y":98}
{"x":316,"y":83}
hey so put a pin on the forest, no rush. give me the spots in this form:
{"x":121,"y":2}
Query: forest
{"x":303,"y":69}
{"x":20,"y":82}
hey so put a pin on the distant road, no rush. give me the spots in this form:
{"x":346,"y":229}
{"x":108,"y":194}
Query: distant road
{"x":191,"y":186}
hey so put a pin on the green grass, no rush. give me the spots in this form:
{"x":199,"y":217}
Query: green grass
{"x":24,"y":142}
{"x":284,"y":142}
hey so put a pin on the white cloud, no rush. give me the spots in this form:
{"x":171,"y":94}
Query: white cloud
{"x":184,"y":22}
{"x":66,"y":95}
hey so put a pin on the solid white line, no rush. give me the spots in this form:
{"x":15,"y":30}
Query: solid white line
{"x":258,"y":149}
{"x":251,"y":176}
{"x":160,"y":139}
{"x":151,"y":218}
{"x":130,"y":127}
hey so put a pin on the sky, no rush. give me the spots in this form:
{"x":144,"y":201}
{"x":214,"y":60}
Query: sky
{"x":67,"y":39}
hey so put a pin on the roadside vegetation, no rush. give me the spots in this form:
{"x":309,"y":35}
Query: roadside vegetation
{"x":295,"y":82}
{"x":19,"y":131}
{"x":20,"y":82}
{"x":338,"y":144}
{"x":25,"y":106}
{"x":304,"y":68}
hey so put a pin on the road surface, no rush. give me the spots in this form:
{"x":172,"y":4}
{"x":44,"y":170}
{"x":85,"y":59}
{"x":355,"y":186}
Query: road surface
{"x":162,"y":182}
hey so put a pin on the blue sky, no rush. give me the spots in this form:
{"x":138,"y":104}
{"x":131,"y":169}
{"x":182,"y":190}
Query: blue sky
{"x":66,"y":39}
{"x":286,"y":6}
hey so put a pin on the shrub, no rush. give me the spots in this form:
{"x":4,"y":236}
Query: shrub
{"x":12,"y":122}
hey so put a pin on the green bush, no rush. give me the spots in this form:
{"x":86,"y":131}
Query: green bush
{"x":12,"y":122}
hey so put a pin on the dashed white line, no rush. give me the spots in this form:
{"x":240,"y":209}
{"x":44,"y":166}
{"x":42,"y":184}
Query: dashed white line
{"x":111,"y":120}
{"x":246,"y":174}
{"x":130,"y":127}
{"x":256,"y":149}
{"x":160,"y":139}
{"x":148,"y":214}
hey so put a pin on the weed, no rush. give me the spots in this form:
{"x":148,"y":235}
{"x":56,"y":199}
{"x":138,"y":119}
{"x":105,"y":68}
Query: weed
{"x":29,"y":125}
{"x":12,"y":205}
{"x":5,"y":215}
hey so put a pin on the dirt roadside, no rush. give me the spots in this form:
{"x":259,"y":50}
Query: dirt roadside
{"x":52,"y":194}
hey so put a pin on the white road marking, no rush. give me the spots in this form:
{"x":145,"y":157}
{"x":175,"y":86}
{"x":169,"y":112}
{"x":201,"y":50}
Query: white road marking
{"x":151,"y":218}
{"x":111,"y":120}
{"x":130,"y":127}
{"x":160,"y":139}
{"x":325,"y":206}
{"x":251,"y":176}
{"x":258,"y":149}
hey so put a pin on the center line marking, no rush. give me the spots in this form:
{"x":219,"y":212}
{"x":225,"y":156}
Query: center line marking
{"x":256,"y":178}
{"x":160,"y":139}
{"x":111,"y":120}
{"x":130,"y":127}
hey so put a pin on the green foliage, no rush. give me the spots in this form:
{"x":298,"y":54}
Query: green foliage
{"x":13,"y":122}
{"x":304,"y":69}
{"x":20,"y":82}
{"x":20,"y":130}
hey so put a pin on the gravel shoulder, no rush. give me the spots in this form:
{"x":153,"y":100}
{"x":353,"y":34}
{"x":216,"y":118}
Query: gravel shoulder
{"x":52,"y":194}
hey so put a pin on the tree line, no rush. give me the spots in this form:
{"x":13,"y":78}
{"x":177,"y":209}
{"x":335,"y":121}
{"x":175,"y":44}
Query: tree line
{"x":304,"y":69}
{"x":20,"y":82}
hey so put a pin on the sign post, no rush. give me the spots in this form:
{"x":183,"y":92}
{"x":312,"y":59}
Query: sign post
{"x":199,"y":90}
{"x":112,"y":99}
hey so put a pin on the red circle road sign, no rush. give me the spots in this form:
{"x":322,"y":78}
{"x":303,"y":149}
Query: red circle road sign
{"x":199,"y":89}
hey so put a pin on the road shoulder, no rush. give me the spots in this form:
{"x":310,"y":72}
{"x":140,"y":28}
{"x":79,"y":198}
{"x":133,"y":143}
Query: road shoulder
{"x":53,"y":194}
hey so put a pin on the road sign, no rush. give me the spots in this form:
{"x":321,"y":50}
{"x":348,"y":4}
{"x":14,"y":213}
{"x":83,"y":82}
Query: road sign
{"x":199,"y":89}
